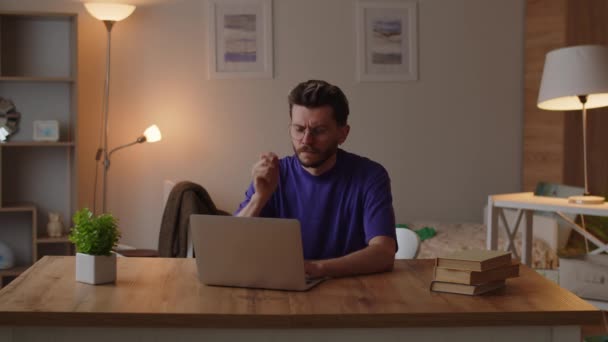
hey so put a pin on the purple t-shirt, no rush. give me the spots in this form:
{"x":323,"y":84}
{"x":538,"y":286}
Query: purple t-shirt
{"x":340,"y":210}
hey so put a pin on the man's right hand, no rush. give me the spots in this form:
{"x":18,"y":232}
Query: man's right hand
{"x":265,"y":174}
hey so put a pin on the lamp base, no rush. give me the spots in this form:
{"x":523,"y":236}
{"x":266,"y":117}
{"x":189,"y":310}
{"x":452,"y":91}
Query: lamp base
{"x":586,"y":199}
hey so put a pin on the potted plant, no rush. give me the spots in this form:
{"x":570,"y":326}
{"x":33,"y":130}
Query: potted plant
{"x":94,"y":238}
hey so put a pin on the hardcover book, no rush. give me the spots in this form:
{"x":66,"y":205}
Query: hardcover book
{"x":475,"y":260}
{"x":475,"y":277}
{"x":471,"y":290}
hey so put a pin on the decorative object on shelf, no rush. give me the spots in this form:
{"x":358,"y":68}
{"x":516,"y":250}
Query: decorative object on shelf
{"x":576,"y":78}
{"x":46,"y":130}
{"x":387,"y":48}
{"x":94,"y":238}
{"x":55,"y":227}
{"x":240,"y":39}
{"x":7,"y":258}
{"x":9,"y":119}
{"x":6,"y":106}
{"x":110,"y":13}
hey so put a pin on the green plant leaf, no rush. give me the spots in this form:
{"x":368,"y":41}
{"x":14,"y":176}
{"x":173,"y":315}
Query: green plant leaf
{"x":94,"y":235}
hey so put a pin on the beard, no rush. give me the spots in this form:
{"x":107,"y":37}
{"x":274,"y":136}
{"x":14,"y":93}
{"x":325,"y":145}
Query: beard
{"x":321,"y":155}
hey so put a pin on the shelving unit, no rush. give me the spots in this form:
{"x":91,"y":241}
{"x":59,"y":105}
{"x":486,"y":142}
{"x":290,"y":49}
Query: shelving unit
{"x":38,"y":144}
{"x":38,"y":72}
{"x":35,"y":79}
{"x":7,"y":275}
{"x":48,"y":239}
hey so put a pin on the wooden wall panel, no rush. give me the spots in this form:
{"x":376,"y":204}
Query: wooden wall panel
{"x":543,"y":130}
{"x":587,"y":23}
{"x":553,"y":140}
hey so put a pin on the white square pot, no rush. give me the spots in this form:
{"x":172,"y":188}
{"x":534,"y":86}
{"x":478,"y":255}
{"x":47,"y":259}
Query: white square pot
{"x":95,"y":269}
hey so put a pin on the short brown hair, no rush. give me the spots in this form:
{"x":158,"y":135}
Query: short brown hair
{"x":317,"y":93}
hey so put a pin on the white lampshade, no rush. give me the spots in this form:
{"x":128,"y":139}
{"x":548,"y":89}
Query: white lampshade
{"x":109,"y":11}
{"x":152,"y":134}
{"x":573,"y":71}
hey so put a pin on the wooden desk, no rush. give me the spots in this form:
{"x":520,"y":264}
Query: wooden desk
{"x":526,"y":203}
{"x":161,"y":299}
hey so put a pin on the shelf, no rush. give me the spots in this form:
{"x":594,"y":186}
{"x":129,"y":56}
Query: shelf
{"x":47,"y":239}
{"x":37,"y":144}
{"x":36,"y":79}
{"x":38,"y":14}
{"x":17,"y":208}
{"x":13,"y":272}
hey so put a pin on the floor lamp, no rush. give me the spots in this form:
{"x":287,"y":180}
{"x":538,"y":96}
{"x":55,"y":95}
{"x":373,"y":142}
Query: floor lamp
{"x":576,"y":78}
{"x":110,"y":13}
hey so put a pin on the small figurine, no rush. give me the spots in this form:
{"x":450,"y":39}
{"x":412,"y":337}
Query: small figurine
{"x":55,"y":227}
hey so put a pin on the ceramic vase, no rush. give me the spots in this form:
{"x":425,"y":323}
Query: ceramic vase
{"x":95,"y":269}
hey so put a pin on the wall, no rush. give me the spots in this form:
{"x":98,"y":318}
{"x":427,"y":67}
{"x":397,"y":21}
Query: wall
{"x":447,"y":140}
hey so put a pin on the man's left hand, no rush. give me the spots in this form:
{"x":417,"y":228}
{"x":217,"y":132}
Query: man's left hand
{"x":378,"y":256}
{"x":314,"y":269}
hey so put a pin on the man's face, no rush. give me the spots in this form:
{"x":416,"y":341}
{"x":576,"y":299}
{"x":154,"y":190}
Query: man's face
{"x":315,"y":135}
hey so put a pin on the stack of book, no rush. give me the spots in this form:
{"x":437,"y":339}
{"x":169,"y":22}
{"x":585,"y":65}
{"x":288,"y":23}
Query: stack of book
{"x":473,"y":272}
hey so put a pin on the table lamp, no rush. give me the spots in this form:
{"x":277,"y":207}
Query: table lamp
{"x":576,"y":78}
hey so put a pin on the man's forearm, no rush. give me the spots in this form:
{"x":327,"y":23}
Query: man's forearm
{"x":372,"y":259}
{"x":254,"y":207}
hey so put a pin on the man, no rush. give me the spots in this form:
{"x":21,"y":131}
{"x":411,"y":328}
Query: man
{"x":343,"y":201}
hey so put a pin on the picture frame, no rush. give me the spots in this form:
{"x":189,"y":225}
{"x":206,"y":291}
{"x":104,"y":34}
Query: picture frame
{"x":46,"y":130}
{"x":240,"y":39}
{"x":387,"y":44}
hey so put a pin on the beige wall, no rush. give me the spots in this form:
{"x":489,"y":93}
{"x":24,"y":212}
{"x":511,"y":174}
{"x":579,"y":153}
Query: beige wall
{"x":447,"y":140}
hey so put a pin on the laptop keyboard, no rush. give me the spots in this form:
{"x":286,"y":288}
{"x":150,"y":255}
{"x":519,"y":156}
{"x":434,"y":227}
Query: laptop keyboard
{"x":311,"y":280}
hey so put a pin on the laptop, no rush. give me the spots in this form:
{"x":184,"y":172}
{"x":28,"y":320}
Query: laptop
{"x":249,"y":252}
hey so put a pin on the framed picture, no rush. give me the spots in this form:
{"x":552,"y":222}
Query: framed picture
{"x":386,"y":41}
{"x":46,"y":130}
{"x":240,"y":39}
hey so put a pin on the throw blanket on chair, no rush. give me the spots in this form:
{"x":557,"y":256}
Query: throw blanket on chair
{"x":185,"y":199}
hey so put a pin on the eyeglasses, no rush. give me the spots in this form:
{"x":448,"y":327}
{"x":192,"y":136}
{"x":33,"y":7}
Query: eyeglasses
{"x":297,"y":131}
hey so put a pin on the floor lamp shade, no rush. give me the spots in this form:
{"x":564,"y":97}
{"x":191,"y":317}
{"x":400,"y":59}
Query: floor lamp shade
{"x":109,"y":11}
{"x":152,"y":134}
{"x":573,"y":71}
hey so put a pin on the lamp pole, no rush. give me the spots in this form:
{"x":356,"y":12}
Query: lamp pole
{"x":109,"y":13}
{"x":583,"y":99}
{"x":106,"y":159}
